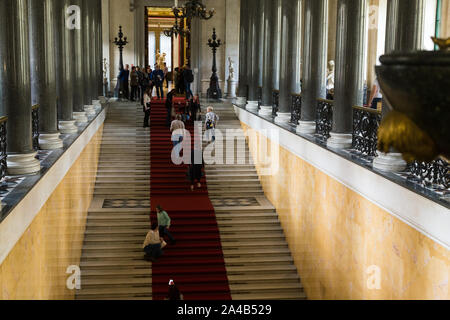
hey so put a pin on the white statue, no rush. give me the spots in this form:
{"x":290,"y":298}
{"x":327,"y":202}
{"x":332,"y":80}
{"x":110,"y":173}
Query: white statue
{"x":330,"y":75}
{"x":231,"y":69}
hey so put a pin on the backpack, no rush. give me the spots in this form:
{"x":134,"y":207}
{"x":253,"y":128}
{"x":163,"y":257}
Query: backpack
{"x":189,"y":76}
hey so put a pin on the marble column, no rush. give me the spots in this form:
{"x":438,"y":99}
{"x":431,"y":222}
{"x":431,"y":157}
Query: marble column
{"x":65,"y":67}
{"x":266,"y":53}
{"x":314,"y":62}
{"x":99,"y":51}
{"x":243,"y":43}
{"x":350,"y":64}
{"x":42,"y":72}
{"x":404,"y":30}
{"x":15,"y":97}
{"x":88,"y":71}
{"x":252,"y":57}
{"x":290,"y":57}
{"x":79,"y":97}
{"x":276,"y":43}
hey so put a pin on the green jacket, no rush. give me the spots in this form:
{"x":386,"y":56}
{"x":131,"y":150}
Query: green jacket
{"x":163,"y":219}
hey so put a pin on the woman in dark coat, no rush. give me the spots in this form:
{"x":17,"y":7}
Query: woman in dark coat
{"x":195,"y":168}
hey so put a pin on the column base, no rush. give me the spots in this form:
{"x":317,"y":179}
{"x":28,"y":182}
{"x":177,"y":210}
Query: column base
{"x":389,"y":162}
{"x":306,"y":127}
{"x":50,"y":141}
{"x":20,"y":164}
{"x":283,"y":118}
{"x":340,"y":140}
{"x":241,"y":101}
{"x":90,"y":110}
{"x":252,"y":106}
{"x":265,"y":111}
{"x":80,"y":117}
{"x":68,"y":127}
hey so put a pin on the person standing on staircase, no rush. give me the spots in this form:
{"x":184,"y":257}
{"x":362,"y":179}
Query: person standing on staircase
{"x":211,"y":123}
{"x":147,"y":106}
{"x":164,"y":224}
{"x":158,"y":78}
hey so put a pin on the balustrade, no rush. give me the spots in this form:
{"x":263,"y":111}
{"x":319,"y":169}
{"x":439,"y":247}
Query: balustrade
{"x":276,"y":102}
{"x":35,"y":126}
{"x":324,"y":119}
{"x":3,"y":156}
{"x":365,"y":128}
{"x":296,"y":108}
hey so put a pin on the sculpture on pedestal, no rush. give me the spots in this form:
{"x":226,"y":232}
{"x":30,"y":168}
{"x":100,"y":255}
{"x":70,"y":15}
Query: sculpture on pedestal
{"x":214,"y":91}
{"x":232,"y":84}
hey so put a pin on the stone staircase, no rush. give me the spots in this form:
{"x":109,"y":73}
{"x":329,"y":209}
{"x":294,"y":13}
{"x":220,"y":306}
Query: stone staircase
{"x":112,"y":264}
{"x":258,"y":260}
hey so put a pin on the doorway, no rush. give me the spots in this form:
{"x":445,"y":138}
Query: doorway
{"x":175,"y":49}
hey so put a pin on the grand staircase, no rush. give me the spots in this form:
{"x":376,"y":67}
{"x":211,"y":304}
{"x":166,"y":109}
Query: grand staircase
{"x":112,"y":264}
{"x":258,"y":260}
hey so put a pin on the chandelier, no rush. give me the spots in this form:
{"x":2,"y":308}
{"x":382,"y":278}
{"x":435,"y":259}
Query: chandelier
{"x":193,"y":9}
{"x":176,"y":30}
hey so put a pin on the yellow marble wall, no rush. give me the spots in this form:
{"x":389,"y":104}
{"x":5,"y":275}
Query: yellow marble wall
{"x":36,"y":267}
{"x":336,"y":235}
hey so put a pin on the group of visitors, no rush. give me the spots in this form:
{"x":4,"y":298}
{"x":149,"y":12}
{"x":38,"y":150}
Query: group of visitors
{"x":142,"y":79}
{"x":183,"y":79}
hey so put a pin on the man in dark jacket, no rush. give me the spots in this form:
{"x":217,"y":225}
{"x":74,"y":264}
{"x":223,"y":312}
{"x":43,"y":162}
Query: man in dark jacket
{"x":134,"y":84}
{"x":169,"y":103}
{"x":123,"y":77}
{"x":188,"y":78}
{"x":158,"y":78}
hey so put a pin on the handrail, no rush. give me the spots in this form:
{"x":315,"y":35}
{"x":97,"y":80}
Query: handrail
{"x":370,"y":110}
{"x":326,"y":100}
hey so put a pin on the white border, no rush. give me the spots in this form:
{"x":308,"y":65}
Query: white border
{"x":21,"y":217}
{"x":424,"y":215}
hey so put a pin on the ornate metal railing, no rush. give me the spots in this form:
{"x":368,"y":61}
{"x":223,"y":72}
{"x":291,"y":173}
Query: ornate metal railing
{"x":324,"y":118}
{"x":366,"y":122}
{"x":259,"y":95}
{"x":296,"y":108}
{"x":35,"y":126}
{"x":3,"y":156}
{"x":435,"y":175}
{"x":276,"y":102}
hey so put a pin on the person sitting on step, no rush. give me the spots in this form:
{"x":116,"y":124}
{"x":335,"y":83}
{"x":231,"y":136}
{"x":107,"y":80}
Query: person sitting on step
{"x":164,"y":224}
{"x":153,"y":244}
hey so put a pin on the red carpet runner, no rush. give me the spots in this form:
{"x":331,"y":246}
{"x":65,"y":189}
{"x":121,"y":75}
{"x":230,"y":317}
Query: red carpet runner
{"x":196,"y":261}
